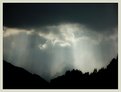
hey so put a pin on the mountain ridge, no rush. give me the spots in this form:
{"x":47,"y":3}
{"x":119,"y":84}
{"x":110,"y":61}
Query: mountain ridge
{"x":18,"y":78}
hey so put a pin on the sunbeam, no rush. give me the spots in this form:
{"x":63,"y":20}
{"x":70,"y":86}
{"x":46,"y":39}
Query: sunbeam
{"x":53,"y":50}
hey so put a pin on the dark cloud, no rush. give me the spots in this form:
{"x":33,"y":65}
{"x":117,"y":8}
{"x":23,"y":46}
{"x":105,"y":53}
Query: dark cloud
{"x":48,"y":39}
{"x":97,"y":16}
{"x":51,"y":54}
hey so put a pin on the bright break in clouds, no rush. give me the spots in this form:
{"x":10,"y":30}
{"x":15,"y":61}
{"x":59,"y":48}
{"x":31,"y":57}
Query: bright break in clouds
{"x":51,"y":50}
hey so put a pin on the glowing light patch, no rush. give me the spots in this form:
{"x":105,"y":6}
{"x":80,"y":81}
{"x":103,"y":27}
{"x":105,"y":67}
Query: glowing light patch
{"x":52,"y":50}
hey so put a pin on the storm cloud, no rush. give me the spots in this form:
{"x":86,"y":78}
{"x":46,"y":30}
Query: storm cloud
{"x":98,"y":16}
{"x":51,"y":50}
{"x":50,"y":38}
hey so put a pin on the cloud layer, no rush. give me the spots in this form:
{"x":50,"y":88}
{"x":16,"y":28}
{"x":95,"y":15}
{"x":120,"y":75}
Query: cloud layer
{"x":51,"y":50}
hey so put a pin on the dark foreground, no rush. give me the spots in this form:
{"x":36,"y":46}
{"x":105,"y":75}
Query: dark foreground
{"x":18,"y":78}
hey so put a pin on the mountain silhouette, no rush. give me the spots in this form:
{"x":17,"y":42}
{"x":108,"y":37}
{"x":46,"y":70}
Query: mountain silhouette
{"x":103,"y":79}
{"x":18,"y":78}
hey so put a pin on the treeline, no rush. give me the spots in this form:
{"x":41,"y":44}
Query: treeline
{"x":103,"y":79}
{"x":18,"y":78}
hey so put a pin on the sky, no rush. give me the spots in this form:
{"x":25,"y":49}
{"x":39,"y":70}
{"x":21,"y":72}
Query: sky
{"x":49,"y":39}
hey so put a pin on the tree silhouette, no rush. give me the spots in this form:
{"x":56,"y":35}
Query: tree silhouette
{"x":103,"y":79}
{"x":18,"y":78}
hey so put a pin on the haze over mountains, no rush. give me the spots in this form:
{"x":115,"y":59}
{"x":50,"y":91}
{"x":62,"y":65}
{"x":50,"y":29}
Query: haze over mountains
{"x":63,"y":43}
{"x":49,"y":39}
{"x":18,"y":78}
{"x":54,"y":49}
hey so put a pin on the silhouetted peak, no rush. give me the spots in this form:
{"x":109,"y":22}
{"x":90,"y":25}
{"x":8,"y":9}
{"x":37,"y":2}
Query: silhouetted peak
{"x":113,"y":63}
{"x":15,"y":77}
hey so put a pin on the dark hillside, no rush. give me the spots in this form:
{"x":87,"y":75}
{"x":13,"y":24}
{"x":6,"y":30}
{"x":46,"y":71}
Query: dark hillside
{"x":18,"y":78}
{"x":103,"y":79}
